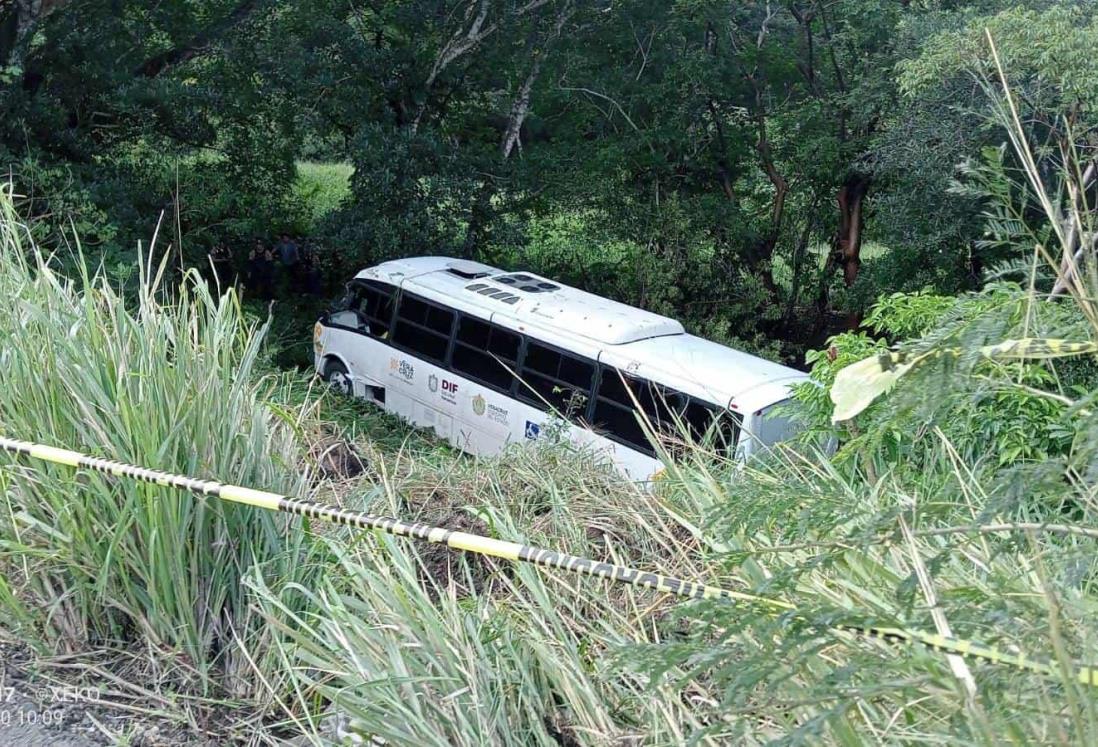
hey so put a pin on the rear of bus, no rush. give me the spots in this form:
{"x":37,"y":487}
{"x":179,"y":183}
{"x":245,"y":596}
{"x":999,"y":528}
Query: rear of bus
{"x":767,"y":417}
{"x":754,"y":390}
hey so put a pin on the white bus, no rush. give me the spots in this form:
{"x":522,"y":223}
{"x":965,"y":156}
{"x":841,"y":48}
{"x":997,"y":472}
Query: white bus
{"x":486,"y":358}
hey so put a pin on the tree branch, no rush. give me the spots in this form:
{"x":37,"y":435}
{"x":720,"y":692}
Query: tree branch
{"x":157,"y":64}
{"x":606,"y":98}
{"x":463,"y":41}
{"x":521,"y":105}
{"x":1069,"y":265}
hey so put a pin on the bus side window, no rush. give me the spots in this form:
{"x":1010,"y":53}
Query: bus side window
{"x":712,"y":426}
{"x":423,"y":328}
{"x":667,"y":410}
{"x":344,"y":312}
{"x":485,"y":353}
{"x":771,"y":427}
{"x":615,"y":412}
{"x":561,"y":379}
{"x":375,"y":309}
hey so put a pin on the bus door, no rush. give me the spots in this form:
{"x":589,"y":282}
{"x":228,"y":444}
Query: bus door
{"x":420,"y":389}
{"x":357,"y":326}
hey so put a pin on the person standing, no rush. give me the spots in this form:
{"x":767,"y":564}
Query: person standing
{"x":311,"y":274}
{"x":288,"y":251}
{"x":270,"y":272}
{"x":289,"y":255}
{"x":259,"y":270}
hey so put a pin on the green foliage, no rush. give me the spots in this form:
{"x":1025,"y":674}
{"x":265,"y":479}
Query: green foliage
{"x":899,"y":315}
{"x":703,"y":147}
{"x":1047,"y":54}
{"x":124,"y":112}
{"x":409,"y":195}
{"x":812,"y":397}
{"x":908,"y":315}
{"x":1005,"y":413}
{"x":834,"y":544}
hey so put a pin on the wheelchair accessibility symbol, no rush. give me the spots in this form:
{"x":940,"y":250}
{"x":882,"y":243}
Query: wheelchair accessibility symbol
{"x":533,"y":430}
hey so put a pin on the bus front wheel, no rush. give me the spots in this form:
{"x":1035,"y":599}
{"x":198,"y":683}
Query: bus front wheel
{"x":337,"y":376}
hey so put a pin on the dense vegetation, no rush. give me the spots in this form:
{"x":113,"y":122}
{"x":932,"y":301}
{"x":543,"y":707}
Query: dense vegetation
{"x":764,"y":170}
{"x":834,"y":179}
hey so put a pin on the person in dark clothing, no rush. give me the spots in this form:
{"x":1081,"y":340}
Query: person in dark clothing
{"x":311,"y":274}
{"x":288,"y":252}
{"x":270,"y":269}
{"x":289,"y":257}
{"x":251,"y":268}
{"x":260,"y":269}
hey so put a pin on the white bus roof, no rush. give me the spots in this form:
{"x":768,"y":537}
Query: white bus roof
{"x":636,"y":341}
{"x":706,"y":369}
{"x":547,"y":303}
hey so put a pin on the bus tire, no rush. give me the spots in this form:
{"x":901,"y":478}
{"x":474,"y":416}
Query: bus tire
{"x":338,"y":377}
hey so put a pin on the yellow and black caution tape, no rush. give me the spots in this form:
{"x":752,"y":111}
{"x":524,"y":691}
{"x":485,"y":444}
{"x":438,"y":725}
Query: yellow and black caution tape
{"x":857,"y":385}
{"x":515,"y":551}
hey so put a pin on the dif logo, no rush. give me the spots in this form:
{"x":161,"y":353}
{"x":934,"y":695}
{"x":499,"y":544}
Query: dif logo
{"x":449,"y":391}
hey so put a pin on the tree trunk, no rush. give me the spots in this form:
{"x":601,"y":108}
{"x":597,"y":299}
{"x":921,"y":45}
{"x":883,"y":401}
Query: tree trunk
{"x":847,"y":245}
{"x":797,"y":269}
{"x":781,"y":186}
{"x":17,"y":26}
{"x":520,"y":107}
{"x":761,"y":252}
{"x":460,"y":42}
{"x":846,"y":250}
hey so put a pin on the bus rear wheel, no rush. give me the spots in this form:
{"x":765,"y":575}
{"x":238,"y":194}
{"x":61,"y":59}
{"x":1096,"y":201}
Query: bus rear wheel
{"x":337,"y":376}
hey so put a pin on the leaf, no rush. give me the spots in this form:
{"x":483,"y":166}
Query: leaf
{"x":859,"y":384}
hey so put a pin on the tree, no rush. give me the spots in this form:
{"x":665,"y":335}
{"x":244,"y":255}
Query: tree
{"x":125,"y":102}
{"x":724,"y":162}
{"x":1045,"y":53}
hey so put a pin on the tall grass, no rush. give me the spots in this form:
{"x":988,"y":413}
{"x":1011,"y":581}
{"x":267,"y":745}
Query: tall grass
{"x":319,"y":189}
{"x":165,"y":380}
{"x":417,"y":644}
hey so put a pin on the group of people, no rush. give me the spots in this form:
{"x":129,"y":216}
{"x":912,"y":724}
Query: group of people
{"x":270,"y":270}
